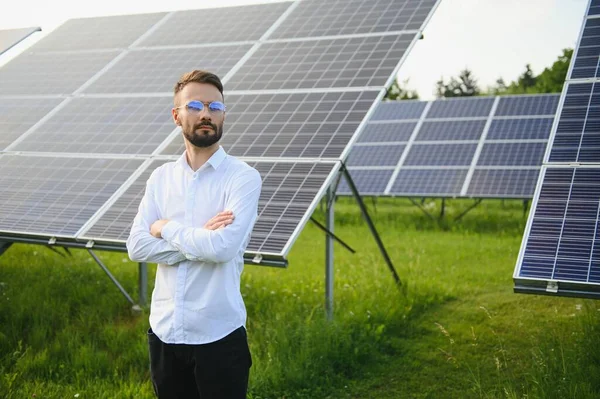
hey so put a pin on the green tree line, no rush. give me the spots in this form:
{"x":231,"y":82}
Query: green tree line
{"x":550,"y":80}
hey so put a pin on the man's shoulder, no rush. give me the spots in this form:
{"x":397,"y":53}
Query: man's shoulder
{"x":161,"y":170}
{"x":237,"y":167}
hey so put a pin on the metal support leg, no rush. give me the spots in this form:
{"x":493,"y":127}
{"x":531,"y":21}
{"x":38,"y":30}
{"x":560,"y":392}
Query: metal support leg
{"x":339,"y":240}
{"x":329,"y":221}
{"x":143,"y":282}
{"x":420,"y":206}
{"x":113,"y":279}
{"x":443,"y":208}
{"x":367,"y":218}
{"x":477,"y":202}
{"x":525,"y":206}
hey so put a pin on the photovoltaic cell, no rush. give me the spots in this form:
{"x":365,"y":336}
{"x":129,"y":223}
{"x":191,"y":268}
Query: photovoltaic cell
{"x":520,"y":129}
{"x":387,"y":132}
{"x":461,"y":108}
{"x":503,"y":183}
{"x":216,"y":25}
{"x":528,"y":105}
{"x":577,"y":137}
{"x":56,"y":196}
{"x":18,"y":115}
{"x":115,"y":224}
{"x":324,"y":63}
{"x":326,"y":18}
{"x":131,"y":125}
{"x":376,"y":155}
{"x":588,"y":53}
{"x":429,"y":182}
{"x":367,"y":181}
{"x":157,"y":70}
{"x":512,"y":154}
{"x":399,"y":110}
{"x":11,"y":37}
{"x":451,"y":130}
{"x":440,"y":155}
{"x":594,"y":8}
{"x":48,"y":73}
{"x":288,"y":190}
{"x":316,"y":125}
{"x":98,"y":33}
{"x":564,"y":239}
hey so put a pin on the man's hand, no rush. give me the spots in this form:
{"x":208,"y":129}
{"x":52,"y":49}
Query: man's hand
{"x":157,"y":227}
{"x":220,"y":221}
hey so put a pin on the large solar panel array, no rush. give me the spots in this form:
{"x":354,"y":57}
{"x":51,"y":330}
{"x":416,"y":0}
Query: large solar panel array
{"x":11,"y":37}
{"x":300,"y":78}
{"x":560,"y":252}
{"x":479,"y":147}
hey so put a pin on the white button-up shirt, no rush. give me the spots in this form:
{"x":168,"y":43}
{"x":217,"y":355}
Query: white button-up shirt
{"x":196,"y":297}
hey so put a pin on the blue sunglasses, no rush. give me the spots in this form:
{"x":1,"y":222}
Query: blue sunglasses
{"x":197,"y":106}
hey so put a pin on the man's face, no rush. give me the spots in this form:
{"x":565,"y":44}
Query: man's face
{"x":201,"y":128}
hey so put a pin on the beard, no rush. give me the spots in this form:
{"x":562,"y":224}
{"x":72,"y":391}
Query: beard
{"x":202,"y":137}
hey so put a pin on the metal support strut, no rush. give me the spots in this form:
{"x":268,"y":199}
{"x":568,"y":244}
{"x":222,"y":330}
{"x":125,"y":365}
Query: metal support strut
{"x":329,"y":221}
{"x":115,"y":281}
{"x":367,"y":218}
{"x":329,"y":233}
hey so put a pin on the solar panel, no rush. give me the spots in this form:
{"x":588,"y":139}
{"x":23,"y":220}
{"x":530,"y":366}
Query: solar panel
{"x":18,"y":115}
{"x":594,"y":8}
{"x":461,"y":107}
{"x":157,"y":70}
{"x":11,"y":37}
{"x":429,"y":182}
{"x":98,"y":33}
{"x":506,"y":145}
{"x":315,"y":125}
{"x":217,"y":25}
{"x":399,"y":110}
{"x":367,"y":181}
{"x":47,"y":73}
{"x":528,"y":105}
{"x":560,"y":252}
{"x":324,"y":63}
{"x":289,"y":192}
{"x":341,"y":17}
{"x":585,"y":64}
{"x":292,"y":95}
{"x":126,"y":125}
{"x":503,"y":183}
{"x":56,"y":196}
{"x":577,"y":137}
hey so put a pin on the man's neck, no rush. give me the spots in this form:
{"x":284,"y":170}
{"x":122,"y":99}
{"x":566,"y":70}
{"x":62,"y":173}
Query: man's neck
{"x":196,"y":156}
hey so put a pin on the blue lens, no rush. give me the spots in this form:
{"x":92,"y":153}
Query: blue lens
{"x":216,"y":106}
{"x":195,"y":106}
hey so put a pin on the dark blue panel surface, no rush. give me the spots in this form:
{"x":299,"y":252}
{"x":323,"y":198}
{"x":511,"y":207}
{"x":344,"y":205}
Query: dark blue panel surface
{"x":387,"y":132}
{"x":527,"y":105}
{"x":368,"y":182}
{"x":512,"y":154}
{"x":399,"y":110}
{"x":429,"y":182}
{"x":588,"y":53}
{"x":440,"y":155}
{"x":562,"y":242}
{"x":503,"y":183}
{"x":577,"y":137}
{"x":520,"y":129}
{"x":375,"y":155}
{"x":461,"y":108}
{"x":450,"y":130}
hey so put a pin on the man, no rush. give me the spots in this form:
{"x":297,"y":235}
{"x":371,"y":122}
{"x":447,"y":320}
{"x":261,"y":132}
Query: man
{"x":195,"y":221}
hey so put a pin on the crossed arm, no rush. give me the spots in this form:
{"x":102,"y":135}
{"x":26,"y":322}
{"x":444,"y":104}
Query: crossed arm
{"x":162,"y":241}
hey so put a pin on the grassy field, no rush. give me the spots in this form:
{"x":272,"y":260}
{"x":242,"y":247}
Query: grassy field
{"x":455,"y":330}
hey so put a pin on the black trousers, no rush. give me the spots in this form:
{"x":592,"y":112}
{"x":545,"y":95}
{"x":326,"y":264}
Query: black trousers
{"x":218,"y":370}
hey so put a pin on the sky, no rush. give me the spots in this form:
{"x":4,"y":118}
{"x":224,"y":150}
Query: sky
{"x":493,"y":38}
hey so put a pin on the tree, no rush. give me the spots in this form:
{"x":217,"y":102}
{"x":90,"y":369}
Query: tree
{"x":551,"y":80}
{"x":398,"y":92}
{"x":463,"y":86}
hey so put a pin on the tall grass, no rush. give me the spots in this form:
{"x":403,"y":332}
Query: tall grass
{"x":454,"y":330}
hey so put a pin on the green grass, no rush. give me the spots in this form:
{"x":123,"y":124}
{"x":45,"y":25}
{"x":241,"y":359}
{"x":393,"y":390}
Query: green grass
{"x":455,"y":330}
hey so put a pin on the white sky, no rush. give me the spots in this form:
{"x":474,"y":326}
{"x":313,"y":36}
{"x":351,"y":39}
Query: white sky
{"x":493,"y":38}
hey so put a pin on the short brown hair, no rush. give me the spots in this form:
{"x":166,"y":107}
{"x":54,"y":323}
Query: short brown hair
{"x":198,"y":76}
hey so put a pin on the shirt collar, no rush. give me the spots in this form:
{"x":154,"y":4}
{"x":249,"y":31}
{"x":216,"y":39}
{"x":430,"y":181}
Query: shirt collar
{"x":215,"y":160}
